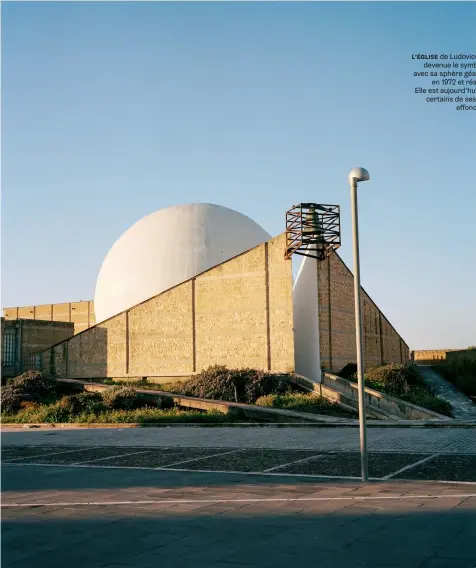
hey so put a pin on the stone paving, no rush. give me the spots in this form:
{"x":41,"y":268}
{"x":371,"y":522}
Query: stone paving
{"x":120,"y":518}
{"x":409,"y":440}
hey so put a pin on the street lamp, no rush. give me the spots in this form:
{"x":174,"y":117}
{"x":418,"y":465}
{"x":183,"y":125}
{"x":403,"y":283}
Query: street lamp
{"x":356,"y":175}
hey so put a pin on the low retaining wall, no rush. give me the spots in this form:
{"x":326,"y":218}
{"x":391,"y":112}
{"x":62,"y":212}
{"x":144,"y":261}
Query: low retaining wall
{"x":333,"y":395}
{"x":247,"y":410}
{"x":390,"y":405}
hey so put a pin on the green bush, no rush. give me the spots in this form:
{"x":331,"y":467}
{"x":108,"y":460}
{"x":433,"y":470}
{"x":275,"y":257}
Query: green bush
{"x":303,"y":402}
{"x":404,"y":382}
{"x":26,"y":387}
{"x":421,"y":396}
{"x":11,"y":398}
{"x":35,"y":384}
{"x":397,"y":379}
{"x":120,"y":398}
{"x":82,"y":402}
{"x":233,"y":385}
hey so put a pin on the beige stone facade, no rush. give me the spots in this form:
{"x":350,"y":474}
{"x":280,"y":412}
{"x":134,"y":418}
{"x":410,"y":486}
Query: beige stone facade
{"x":79,"y":313}
{"x":23,"y":339}
{"x":238,"y":314}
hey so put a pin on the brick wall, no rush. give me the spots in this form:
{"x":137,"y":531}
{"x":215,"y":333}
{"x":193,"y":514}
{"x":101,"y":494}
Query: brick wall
{"x":382,"y":344}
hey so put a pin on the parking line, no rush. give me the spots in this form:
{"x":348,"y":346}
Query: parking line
{"x":46,"y":455}
{"x":201,"y":458}
{"x":111,"y":457}
{"x":261,"y":473}
{"x":410,"y":466}
{"x":292,"y":463}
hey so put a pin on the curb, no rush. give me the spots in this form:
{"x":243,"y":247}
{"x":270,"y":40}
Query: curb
{"x":376,"y":424}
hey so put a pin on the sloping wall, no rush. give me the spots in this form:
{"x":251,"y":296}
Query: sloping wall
{"x":382,"y":344}
{"x":238,"y":314}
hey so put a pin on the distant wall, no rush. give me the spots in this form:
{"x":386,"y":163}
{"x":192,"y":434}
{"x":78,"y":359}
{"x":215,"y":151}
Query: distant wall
{"x":79,"y":313}
{"x":460,"y":354}
{"x":437,"y":356}
{"x":430,"y":356}
{"x":22,"y":339}
{"x":382,"y":344}
{"x":238,"y":314}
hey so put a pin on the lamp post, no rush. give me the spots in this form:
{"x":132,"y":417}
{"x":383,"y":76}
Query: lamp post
{"x":356,"y":175}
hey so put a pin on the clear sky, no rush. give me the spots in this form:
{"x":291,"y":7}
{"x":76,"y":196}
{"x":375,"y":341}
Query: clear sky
{"x":113,"y":110}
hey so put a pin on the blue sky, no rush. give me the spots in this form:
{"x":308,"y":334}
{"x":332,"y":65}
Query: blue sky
{"x":113,"y":110}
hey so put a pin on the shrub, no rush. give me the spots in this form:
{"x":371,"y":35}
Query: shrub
{"x":349,"y":371}
{"x":423,"y":397}
{"x":11,"y":398}
{"x":396,"y":379}
{"x":233,"y":385}
{"x":82,"y":402}
{"x":52,"y":413}
{"x":303,"y":402}
{"x":35,"y":384}
{"x":120,"y":398}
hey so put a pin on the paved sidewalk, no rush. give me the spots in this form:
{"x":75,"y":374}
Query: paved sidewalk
{"x":131,"y":518}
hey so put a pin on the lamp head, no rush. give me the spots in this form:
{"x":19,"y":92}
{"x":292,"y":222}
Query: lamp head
{"x":360,"y":174}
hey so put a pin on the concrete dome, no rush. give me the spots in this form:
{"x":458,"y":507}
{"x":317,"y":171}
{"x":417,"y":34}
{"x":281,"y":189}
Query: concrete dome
{"x":168,"y":247}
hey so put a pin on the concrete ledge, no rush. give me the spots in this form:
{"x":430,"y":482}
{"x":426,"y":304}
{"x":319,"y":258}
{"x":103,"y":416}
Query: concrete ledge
{"x":382,"y":402}
{"x":341,"y":399}
{"x":121,"y":425}
{"x":235,"y":408}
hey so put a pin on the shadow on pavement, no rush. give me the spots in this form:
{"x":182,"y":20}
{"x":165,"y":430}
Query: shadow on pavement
{"x":232,"y":535}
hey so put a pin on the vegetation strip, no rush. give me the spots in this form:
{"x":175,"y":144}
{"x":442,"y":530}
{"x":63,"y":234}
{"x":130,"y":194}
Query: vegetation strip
{"x":249,"y":500}
{"x":225,"y":424}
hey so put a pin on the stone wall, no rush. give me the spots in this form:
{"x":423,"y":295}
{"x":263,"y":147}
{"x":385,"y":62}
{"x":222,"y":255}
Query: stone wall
{"x":79,"y":313}
{"x":382,"y":344}
{"x":430,"y":356}
{"x":31,"y":337}
{"x":238,"y":314}
{"x":438,"y":356}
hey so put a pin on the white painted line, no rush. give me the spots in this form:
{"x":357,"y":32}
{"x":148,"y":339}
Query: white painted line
{"x":249,"y":500}
{"x":270,"y":474}
{"x":410,"y":466}
{"x":292,"y":463}
{"x":111,"y":457}
{"x":46,"y":455}
{"x":165,"y":469}
{"x":201,"y":458}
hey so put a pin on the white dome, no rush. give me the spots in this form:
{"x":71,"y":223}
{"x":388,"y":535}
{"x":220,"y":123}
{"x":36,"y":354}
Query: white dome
{"x":168,"y":247}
